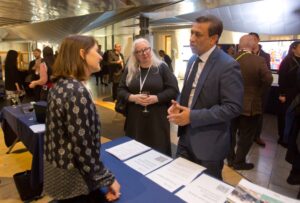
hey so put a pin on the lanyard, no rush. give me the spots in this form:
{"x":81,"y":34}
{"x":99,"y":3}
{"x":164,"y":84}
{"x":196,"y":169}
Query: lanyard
{"x":142,"y":82}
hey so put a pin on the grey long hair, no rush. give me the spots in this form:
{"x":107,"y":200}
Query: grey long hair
{"x":133,"y":64}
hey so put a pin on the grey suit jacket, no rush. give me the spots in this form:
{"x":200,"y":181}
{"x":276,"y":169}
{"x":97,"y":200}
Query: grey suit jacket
{"x":217,"y":99}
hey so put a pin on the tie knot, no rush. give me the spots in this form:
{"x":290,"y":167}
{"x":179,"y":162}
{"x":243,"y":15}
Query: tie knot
{"x":198,"y":60}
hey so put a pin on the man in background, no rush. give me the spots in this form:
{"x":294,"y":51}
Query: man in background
{"x":116,"y":66}
{"x":257,"y":79}
{"x":258,"y":51}
{"x":166,"y":58}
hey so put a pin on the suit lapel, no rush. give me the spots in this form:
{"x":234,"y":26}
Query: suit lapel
{"x":206,"y":69}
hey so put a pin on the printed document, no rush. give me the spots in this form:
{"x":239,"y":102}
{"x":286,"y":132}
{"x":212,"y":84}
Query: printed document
{"x":127,"y":149}
{"x":175,"y":174}
{"x":205,"y":189}
{"x":147,"y":162}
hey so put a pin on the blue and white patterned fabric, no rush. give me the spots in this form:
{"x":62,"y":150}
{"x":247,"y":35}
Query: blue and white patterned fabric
{"x":72,"y":164}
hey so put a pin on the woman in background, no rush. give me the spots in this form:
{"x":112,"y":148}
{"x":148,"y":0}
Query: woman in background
{"x":41,"y":82}
{"x":148,"y":86}
{"x":287,"y":85}
{"x":13,"y":88}
{"x":73,"y":171}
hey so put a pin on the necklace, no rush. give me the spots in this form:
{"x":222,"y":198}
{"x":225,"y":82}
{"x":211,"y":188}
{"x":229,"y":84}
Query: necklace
{"x":142,"y":82}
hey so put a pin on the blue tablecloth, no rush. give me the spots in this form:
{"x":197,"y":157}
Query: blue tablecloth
{"x":19,"y":122}
{"x":135,"y":187}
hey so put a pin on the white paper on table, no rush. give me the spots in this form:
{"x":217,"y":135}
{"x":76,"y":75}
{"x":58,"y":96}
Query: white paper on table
{"x":148,"y":161}
{"x":205,"y":189}
{"x":175,"y":174}
{"x":127,"y":149}
{"x":265,"y":193}
{"x":38,"y":128}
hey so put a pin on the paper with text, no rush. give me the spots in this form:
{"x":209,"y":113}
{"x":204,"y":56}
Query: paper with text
{"x":205,"y":189}
{"x":127,"y":149}
{"x":148,"y":161}
{"x":175,"y":174}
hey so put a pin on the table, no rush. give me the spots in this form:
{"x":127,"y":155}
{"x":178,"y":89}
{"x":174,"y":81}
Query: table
{"x":15,"y":125}
{"x":135,"y":186}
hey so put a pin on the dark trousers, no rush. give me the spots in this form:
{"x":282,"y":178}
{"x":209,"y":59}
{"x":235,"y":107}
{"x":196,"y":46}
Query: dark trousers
{"x":261,"y":119}
{"x":245,"y":128}
{"x":94,"y":197}
{"x":282,"y":108}
{"x":213,"y":168}
{"x":115,"y":90}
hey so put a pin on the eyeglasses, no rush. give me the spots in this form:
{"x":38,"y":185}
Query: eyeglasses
{"x":143,"y":51}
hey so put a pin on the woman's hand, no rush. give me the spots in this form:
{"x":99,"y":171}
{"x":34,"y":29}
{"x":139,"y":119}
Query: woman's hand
{"x":32,"y":85}
{"x":143,"y":99}
{"x":113,"y":191}
{"x":282,"y":99}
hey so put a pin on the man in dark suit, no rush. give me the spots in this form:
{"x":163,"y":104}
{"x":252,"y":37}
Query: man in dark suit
{"x":259,"y":52}
{"x":211,"y":96}
{"x":257,"y":79}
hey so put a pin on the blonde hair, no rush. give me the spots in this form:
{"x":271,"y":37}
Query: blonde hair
{"x":133,"y":64}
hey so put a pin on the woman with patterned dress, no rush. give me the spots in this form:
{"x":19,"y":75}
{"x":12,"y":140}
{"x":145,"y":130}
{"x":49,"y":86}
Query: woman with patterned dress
{"x":73,"y":171}
{"x":148,"y":86}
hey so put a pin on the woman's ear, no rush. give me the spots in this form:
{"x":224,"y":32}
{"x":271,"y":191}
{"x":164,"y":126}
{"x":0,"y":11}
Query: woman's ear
{"x":82,"y":53}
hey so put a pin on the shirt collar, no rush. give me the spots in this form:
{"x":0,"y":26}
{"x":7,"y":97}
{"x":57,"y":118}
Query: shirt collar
{"x":205,"y":56}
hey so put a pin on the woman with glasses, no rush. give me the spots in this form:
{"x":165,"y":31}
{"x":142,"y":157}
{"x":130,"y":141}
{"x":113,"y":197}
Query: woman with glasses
{"x":148,"y":86}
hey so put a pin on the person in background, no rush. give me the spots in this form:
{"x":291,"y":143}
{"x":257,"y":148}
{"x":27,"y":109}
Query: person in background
{"x":260,"y":52}
{"x":287,"y":86}
{"x":116,"y":67}
{"x":212,"y":95}
{"x":148,"y":86}
{"x":292,"y":125}
{"x":166,"y":59}
{"x":41,"y":82}
{"x":33,"y":65}
{"x":257,"y":79}
{"x":99,"y":74}
{"x":73,"y":171}
{"x":13,"y":88}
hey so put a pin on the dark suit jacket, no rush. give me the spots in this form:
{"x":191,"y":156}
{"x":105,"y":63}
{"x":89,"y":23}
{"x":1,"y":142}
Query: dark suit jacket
{"x":217,"y":99}
{"x":115,"y":69}
{"x":266,"y":56}
{"x":257,"y":80}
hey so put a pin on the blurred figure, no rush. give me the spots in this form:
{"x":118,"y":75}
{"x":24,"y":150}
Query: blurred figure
{"x":257,"y":79}
{"x":13,"y":81}
{"x":287,"y":86}
{"x":99,"y":73}
{"x":41,"y":82}
{"x":73,"y":171}
{"x":258,"y":51}
{"x":166,"y":58}
{"x":148,"y":86}
{"x":33,"y":65}
{"x":116,"y":67}
{"x":292,"y":124}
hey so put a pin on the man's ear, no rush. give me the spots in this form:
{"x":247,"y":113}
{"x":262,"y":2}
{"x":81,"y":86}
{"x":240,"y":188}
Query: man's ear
{"x":82,"y":53}
{"x":214,"y":39}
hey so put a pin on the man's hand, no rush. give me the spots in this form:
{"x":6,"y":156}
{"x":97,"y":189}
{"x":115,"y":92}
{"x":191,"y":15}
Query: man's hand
{"x":32,"y":85}
{"x":179,"y":115}
{"x":113,"y":191}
